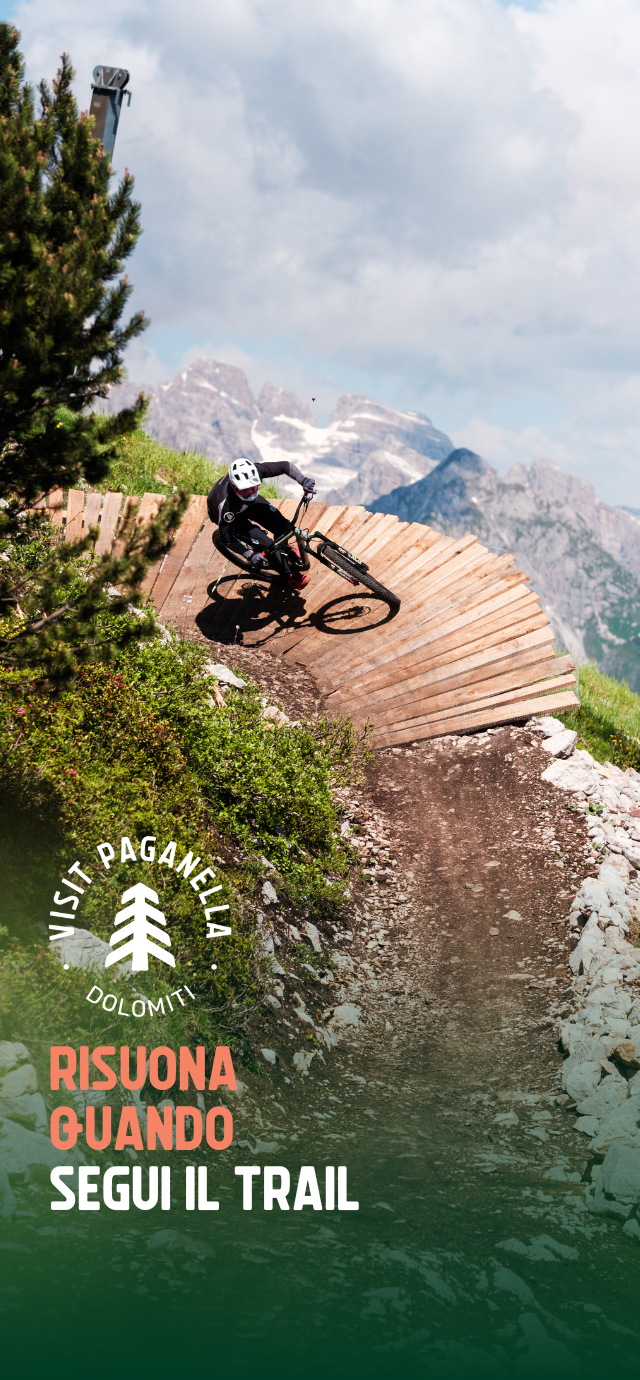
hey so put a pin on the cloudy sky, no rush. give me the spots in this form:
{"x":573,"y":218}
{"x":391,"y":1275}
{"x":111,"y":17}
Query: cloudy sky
{"x":436,"y":202}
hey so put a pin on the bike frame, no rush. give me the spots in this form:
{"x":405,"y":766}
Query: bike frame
{"x":306,"y":537}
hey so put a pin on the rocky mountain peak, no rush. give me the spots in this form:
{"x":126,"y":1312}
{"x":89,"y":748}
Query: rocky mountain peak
{"x":366,"y":449}
{"x":580,"y":558}
{"x":278,"y":402}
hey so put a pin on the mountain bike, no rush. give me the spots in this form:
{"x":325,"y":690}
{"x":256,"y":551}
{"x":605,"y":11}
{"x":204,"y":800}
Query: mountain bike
{"x":295,"y":560}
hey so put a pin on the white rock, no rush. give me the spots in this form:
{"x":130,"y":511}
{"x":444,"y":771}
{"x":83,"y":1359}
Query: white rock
{"x":313,"y":934}
{"x":581,"y":1079}
{"x":620,"y":1173}
{"x":20,"y":1148}
{"x":627,"y":1050}
{"x":587,"y":947}
{"x":20,"y":1080}
{"x":85,"y":950}
{"x":611,"y":1093}
{"x":302,"y":1061}
{"x":269,"y":894}
{"x":29,"y":1107}
{"x":273,"y":1002}
{"x":570,"y":776}
{"x":611,"y":879}
{"x":343,"y":962}
{"x":632,"y":1228}
{"x":269,"y":1055}
{"x":631,"y":850}
{"x":511,"y":1283}
{"x":275,"y":715}
{"x":589,"y":1125}
{"x":223,"y":673}
{"x":592,"y":896}
{"x":561,"y":744}
{"x":620,"y":1125}
{"x":346,"y":1015}
{"x":10,"y":1055}
{"x":507,"y":1119}
{"x":549,"y":726}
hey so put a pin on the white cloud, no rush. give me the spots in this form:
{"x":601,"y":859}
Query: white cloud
{"x":440,"y":194}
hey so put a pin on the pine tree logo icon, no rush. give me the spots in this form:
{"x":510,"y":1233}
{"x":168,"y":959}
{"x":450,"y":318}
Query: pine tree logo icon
{"x":142,"y":933}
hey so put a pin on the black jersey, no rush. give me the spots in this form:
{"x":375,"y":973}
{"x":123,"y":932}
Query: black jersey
{"x":225,"y":506}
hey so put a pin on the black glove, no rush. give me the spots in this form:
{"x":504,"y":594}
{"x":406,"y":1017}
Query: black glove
{"x":308,"y":486}
{"x":258,"y":558}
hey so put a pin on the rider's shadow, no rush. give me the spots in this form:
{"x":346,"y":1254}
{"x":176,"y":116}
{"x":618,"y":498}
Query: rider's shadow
{"x":258,"y":610}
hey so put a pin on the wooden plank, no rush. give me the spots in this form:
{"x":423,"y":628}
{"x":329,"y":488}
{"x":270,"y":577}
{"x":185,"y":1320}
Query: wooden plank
{"x":56,"y":508}
{"x":190,"y":594}
{"x":183,"y":540}
{"x":129,"y":510}
{"x":150,"y":505}
{"x":489,"y":591}
{"x":314,"y":514}
{"x":499,"y":649}
{"x":414,"y":731}
{"x":489,"y":665}
{"x":528,"y":665}
{"x":500,"y":655}
{"x":416,"y":628}
{"x":91,"y":515}
{"x":546,"y":686}
{"x":108,"y":523}
{"x":445,"y":680}
{"x":445,"y":707}
{"x":457,"y":644}
{"x":482,"y":614}
{"x":193,"y":568}
{"x":75,"y":506}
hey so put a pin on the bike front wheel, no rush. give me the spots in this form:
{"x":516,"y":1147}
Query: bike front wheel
{"x":356,"y":573}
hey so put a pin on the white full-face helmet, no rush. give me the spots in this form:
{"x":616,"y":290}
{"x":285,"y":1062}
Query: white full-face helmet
{"x":244,"y":478}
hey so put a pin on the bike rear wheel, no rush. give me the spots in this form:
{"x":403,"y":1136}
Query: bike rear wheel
{"x":355,"y":572}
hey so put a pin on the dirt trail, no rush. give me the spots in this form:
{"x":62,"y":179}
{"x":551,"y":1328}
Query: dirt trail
{"x":472,"y":833}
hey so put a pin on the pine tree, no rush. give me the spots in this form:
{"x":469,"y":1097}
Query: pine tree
{"x":63,"y":238}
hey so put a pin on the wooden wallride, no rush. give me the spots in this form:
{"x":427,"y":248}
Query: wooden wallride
{"x":469,"y":648}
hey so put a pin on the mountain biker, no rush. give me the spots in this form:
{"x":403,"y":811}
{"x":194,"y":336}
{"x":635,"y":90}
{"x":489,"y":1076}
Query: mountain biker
{"x":236,"y":505}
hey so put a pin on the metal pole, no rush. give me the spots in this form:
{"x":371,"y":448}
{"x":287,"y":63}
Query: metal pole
{"x":108,"y":89}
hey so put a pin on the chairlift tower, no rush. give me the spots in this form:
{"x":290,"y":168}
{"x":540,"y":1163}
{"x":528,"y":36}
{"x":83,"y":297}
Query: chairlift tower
{"x":108,"y":89}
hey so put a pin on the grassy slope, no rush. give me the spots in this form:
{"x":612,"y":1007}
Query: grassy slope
{"x":608,"y":720}
{"x":144,"y":465}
